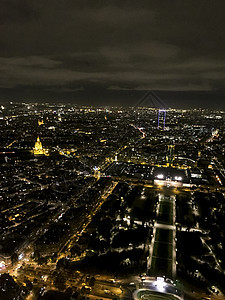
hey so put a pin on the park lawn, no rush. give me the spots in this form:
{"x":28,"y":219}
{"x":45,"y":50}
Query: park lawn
{"x":165,"y":213}
{"x":164,"y":235}
{"x":161,"y":267}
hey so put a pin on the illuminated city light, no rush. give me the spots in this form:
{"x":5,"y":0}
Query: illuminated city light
{"x":160,"y":176}
{"x":20,"y":256}
{"x":2,"y":265}
{"x":178,"y":178}
{"x":66,"y":191}
{"x":160,"y":284}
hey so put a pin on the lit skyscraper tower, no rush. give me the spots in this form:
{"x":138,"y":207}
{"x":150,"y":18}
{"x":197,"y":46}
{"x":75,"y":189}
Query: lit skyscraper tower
{"x":161,"y":119}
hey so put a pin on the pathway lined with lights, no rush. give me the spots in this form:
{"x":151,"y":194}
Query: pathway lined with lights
{"x":162,"y":252}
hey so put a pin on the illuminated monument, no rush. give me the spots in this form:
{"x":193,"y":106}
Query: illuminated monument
{"x":38,"y":149}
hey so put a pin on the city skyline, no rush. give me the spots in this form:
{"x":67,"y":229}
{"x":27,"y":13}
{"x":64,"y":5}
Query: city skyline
{"x":112,"y":150}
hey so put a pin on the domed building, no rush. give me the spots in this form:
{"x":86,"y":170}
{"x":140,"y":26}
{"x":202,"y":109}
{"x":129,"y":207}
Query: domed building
{"x":38,"y":149}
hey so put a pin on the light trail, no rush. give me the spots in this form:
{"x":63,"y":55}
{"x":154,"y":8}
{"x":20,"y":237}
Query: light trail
{"x":141,"y":130}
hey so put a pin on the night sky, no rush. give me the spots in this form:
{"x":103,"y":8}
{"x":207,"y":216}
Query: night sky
{"x":111,"y":52}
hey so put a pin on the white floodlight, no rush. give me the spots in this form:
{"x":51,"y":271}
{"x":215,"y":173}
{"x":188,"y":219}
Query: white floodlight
{"x":160,"y":176}
{"x":20,"y":256}
{"x":2,"y":265}
{"x":178,"y":178}
{"x":160,"y":284}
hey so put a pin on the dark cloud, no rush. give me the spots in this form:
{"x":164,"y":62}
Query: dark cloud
{"x":17,"y":11}
{"x":68,"y":46}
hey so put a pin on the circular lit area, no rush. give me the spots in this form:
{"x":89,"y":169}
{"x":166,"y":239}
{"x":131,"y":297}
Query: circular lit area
{"x":158,"y":289}
{"x":144,"y":294}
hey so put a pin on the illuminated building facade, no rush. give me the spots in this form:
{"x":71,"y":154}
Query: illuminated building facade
{"x":38,"y":149}
{"x":161,"y":119}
